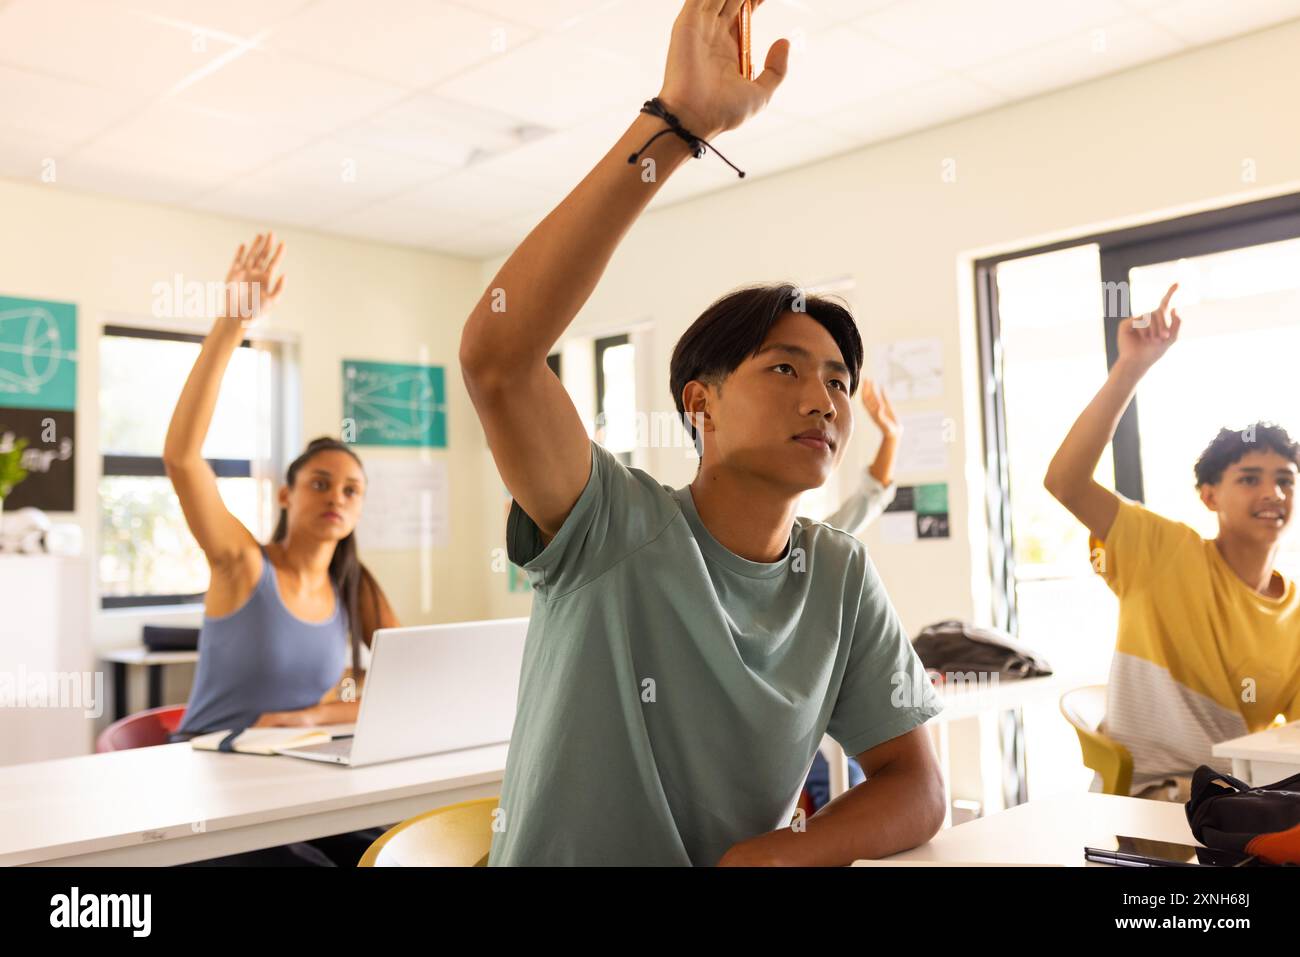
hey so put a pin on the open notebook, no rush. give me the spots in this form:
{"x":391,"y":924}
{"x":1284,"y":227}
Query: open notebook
{"x":267,"y":740}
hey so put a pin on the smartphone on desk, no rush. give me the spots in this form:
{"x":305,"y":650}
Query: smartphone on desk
{"x":1127,"y":851}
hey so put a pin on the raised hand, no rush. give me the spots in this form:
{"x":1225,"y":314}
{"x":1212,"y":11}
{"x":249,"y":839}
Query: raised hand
{"x":880,"y":409}
{"x":703,"y":85}
{"x":1144,"y":339}
{"x":249,"y":292}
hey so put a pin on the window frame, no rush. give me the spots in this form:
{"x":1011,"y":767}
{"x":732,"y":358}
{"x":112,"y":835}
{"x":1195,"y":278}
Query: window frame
{"x":1247,"y":224}
{"x":599,"y":347}
{"x":151,"y":466}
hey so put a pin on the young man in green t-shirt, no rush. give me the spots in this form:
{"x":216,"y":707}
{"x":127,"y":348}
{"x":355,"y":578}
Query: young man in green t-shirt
{"x":689,"y":647}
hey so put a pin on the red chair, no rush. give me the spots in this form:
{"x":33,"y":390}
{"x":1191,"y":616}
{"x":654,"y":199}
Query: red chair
{"x":144,"y":729}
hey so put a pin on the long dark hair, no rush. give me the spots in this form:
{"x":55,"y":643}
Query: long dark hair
{"x":357,"y":587}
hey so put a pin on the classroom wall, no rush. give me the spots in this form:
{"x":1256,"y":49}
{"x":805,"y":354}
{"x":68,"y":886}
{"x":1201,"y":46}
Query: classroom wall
{"x":1159,"y":140}
{"x":343,"y":299}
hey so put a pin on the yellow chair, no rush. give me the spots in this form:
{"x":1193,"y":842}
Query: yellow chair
{"x":1084,"y":708}
{"x":458,"y":835}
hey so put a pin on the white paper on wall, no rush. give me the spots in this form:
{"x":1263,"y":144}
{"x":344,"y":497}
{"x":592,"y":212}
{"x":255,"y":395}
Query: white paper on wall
{"x":924,"y":443}
{"x":910,"y":368}
{"x":405,"y":506}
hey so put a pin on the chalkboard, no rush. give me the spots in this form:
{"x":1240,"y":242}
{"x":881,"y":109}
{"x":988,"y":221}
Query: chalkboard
{"x":50,"y":433}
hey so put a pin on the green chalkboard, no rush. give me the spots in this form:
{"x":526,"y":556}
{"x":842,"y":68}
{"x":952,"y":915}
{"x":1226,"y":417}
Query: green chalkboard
{"x":38,"y":354}
{"x":386,"y":403}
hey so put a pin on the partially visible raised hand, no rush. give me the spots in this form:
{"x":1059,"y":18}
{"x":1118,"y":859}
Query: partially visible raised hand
{"x":250,"y":293}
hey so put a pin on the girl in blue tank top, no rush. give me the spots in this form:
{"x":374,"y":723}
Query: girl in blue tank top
{"x":283,"y":622}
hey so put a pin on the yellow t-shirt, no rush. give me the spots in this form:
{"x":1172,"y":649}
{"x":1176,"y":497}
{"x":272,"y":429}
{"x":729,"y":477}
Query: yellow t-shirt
{"x":1201,"y":656}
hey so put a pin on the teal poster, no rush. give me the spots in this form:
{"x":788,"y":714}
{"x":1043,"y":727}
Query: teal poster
{"x":38,"y":354}
{"x":386,"y":403}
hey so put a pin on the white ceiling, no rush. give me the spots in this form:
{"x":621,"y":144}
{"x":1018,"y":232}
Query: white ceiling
{"x":455,"y":125}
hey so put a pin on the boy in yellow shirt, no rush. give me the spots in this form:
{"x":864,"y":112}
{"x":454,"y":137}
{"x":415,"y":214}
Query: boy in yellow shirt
{"x":1209,"y":631}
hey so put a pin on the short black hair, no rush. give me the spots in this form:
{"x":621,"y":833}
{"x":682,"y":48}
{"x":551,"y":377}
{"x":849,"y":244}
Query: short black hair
{"x":1230,"y":445}
{"x":735,"y":326}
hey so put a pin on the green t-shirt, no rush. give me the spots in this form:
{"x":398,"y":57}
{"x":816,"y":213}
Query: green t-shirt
{"x":673,"y":694}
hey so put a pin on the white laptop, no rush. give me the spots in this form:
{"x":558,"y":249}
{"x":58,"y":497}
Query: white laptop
{"x":430,"y":689}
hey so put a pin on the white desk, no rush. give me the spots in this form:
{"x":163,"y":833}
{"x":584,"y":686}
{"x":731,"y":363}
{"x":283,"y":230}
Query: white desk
{"x":1052,"y":831}
{"x":983,"y":703}
{"x":171,"y":804}
{"x":154,"y":661}
{"x":1265,"y":756}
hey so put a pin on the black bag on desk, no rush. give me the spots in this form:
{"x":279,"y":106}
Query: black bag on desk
{"x":953,"y":646}
{"x":165,"y":638}
{"x":1229,"y":814}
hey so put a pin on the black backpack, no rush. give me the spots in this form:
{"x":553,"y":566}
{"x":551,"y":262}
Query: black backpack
{"x":1229,"y":814}
{"x":954,"y":646}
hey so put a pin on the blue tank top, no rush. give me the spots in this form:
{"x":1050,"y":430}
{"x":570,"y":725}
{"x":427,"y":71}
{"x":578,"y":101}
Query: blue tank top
{"x":262,"y":657}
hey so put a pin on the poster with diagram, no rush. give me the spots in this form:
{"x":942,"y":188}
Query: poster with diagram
{"x":38,"y":399}
{"x":394,"y":404}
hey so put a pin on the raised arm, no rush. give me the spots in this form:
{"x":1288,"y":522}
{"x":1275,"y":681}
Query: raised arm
{"x":1069,"y":476}
{"x":536,"y":436}
{"x":249,"y":294}
{"x":876,"y":489}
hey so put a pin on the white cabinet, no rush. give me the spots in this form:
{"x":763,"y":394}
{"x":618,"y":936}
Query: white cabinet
{"x":49,"y":693}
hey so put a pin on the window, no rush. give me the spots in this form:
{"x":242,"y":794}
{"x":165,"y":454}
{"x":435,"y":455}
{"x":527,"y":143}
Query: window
{"x":1048,"y":323}
{"x":147,"y":554}
{"x":616,"y":423}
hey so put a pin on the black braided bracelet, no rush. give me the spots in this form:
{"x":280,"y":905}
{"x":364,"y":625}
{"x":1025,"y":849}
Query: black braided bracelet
{"x":656,"y":107}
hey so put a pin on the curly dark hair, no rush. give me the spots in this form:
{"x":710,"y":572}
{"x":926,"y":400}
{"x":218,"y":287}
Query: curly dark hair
{"x":1230,"y":445}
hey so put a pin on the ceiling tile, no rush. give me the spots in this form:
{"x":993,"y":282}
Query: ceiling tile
{"x":29,"y":157}
{"x":632,"y":30}
{"x":319,"y":183}
{"x":239,"y":18}
{"x":1207,"y":21}
{"x":412,"y":43}
{"x":434,"y":128}
{"x":123,"y":173}
{"x":267,"y":87}
{"x":552,"y":82}
{"x":102,"y":44}
{"x":564,"y":158}
{"x":836,"y":11}
{"x":838,"y":67}
{"x":172,"y":136}
{"x":1078,"y":58}
{"x":956,"y":34}
{"x":62,"y":112}
{"x":541,"y":14}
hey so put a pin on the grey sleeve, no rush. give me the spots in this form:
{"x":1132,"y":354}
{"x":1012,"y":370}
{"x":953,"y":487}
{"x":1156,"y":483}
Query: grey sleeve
{"x":619,"y":510}
{"x":885,"y":691}
{"x":864,"y":506}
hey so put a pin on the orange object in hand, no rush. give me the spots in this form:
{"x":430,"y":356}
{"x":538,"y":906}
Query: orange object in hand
{"x":743,"y":37}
